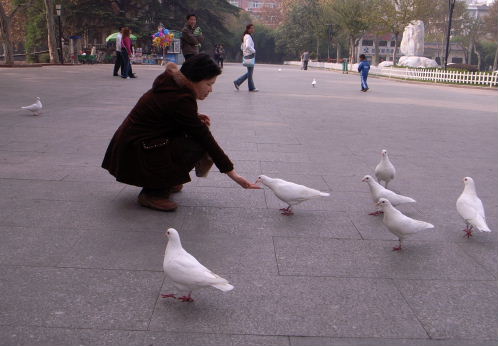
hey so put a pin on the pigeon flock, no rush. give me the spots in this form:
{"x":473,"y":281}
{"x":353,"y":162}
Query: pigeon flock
{"x":187,"y":274}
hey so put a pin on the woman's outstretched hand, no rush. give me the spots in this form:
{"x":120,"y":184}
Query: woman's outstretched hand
{"x":242,"y":181}
{"x":206,"y":120}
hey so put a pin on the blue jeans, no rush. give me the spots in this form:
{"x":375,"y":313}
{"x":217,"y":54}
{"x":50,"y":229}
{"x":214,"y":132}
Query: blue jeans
{"x":364,"y":84}
{"x":247,"y":76}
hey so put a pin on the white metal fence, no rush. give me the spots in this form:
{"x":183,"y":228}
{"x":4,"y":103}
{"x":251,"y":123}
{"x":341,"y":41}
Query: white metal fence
{"x":434,"y":75}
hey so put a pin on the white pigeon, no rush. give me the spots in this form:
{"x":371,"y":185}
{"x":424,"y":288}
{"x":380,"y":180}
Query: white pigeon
{"x":399,"y":224}
{"x":186,"y":272}
{"x":470,"y":208}
{"x":289,"y":192}
{"x":385,"y":170}
{"x":313,"y":83}
{"x":35,"y":107}
{"x":279,"y":70}
{"x":378,"y":191}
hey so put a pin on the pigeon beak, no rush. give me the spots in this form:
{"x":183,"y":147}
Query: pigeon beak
{"x":377,"y":204}
{"x":257,"y":181}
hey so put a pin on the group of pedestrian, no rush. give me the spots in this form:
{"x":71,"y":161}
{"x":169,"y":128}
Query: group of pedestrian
{"x":124,"y":52}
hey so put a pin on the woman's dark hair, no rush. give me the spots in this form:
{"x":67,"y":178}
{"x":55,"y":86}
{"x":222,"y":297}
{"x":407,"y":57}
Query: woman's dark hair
{"x":248,"y":26}
{"x":200,"y":67}
{"x":187,"y":17}
{"x":362,"y":56}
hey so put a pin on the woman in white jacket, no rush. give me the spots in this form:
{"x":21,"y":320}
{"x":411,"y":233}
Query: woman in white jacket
{"x":248,"y":52}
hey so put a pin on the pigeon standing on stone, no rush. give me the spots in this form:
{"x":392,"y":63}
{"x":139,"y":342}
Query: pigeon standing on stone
{"x":313,"y":83}
{"x":470,"y":208}
{"x":290,"y":193}
{"x":399,"y":224}
{"x":35,"y":107}
{"x":385,"y":170}
{"x":186,"y":272}
{"x":378,"y":191}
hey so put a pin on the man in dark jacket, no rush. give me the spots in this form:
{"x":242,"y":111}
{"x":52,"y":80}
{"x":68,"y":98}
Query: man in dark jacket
{"x":191,"y":37}
{"x":164,"y":136}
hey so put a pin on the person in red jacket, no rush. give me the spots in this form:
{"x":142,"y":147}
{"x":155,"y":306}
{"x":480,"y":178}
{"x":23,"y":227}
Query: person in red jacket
{"x":126,"y":53}
{"x":164,"y":137}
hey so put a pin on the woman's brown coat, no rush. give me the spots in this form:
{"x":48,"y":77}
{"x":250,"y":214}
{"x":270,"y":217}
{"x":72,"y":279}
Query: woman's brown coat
{"x":151,"y":147}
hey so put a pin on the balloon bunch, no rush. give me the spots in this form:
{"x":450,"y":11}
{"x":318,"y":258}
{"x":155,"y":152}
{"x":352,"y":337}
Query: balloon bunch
{"x":162,"y":38}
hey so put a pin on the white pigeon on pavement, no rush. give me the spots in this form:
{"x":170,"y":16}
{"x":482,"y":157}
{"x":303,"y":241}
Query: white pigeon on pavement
{"x":385,"y":170}
{"x":186,"y":272}
{"x":399,"y":224}
{"x":279,"y":70}
{"x":35,"y":107}
{"x":289,"y":192}
{"x":313,"y":83}
{"x":470,"y":208}
{"x":378,"y":191}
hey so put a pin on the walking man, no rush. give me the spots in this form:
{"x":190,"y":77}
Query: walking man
{"x":363,"y":69}
{"x":305,"y":57}
{"x":191,"y":37}
{"x":118,"y":64}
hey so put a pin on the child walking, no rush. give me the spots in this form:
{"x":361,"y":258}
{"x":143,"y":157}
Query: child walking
{"x":363,"y":69}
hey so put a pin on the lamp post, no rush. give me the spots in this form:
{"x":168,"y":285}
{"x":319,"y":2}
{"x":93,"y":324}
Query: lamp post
{"x":451,"y":7}
{"x":58,"y":9}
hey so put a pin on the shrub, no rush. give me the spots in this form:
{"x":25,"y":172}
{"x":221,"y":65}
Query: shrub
{"x":463,"y":67}
{"x":44,"y":58}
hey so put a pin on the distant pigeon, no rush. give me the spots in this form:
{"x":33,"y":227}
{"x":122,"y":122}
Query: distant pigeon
{"x":313,"y":83}
{"x":385,"y":170}
{"x":378,"y":192}
{"x":35,"y":107}
{"x":399,"y":224}
{"x":470,"y":208}
{"x":279,"y":70}
{"x":186,"y":273}
{"x":290,"y":193}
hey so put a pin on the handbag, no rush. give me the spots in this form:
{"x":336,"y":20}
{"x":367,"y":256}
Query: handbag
{"x":249,"y":60}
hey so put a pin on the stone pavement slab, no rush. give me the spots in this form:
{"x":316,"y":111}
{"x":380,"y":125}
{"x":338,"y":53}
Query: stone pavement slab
{"x":81,"y":261}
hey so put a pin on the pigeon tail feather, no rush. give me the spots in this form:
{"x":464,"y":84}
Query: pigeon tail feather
{"x":225,"y":287}
{"x":324,"y":194}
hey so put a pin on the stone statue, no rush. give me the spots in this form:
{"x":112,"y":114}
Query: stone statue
{"x":412,"y":43}
{"x":412,"y":47}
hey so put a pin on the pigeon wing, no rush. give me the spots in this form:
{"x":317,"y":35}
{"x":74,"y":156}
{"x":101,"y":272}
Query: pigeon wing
{"x":186,"y":270}
{"x":294,"y":193}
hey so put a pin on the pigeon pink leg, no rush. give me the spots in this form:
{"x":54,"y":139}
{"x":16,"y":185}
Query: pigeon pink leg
{"x":375,"y":213}
{"x":397,"y":248}
{"x":186,"y":299}
{"x":171,"y":295}
{"x":468,"y":232}
{"x":287,"y":211}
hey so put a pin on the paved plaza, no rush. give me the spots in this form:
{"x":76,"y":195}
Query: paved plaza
{"x":81,"y":261}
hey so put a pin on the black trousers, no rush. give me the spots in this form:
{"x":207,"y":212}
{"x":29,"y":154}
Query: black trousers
{"x":184,"y":153}
{"x":118,"y":64}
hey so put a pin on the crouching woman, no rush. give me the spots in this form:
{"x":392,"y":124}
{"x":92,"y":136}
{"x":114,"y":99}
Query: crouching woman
{"x":164,"y":137}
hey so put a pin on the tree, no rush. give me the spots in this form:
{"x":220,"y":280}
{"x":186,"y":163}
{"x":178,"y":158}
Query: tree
{"x":491,"y":27}
{"x":6,"y":18}
{"x":52,"y":43}
{"x":302,"y":27}
{"x":352,"y":16}
{"x":395,"y":15}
